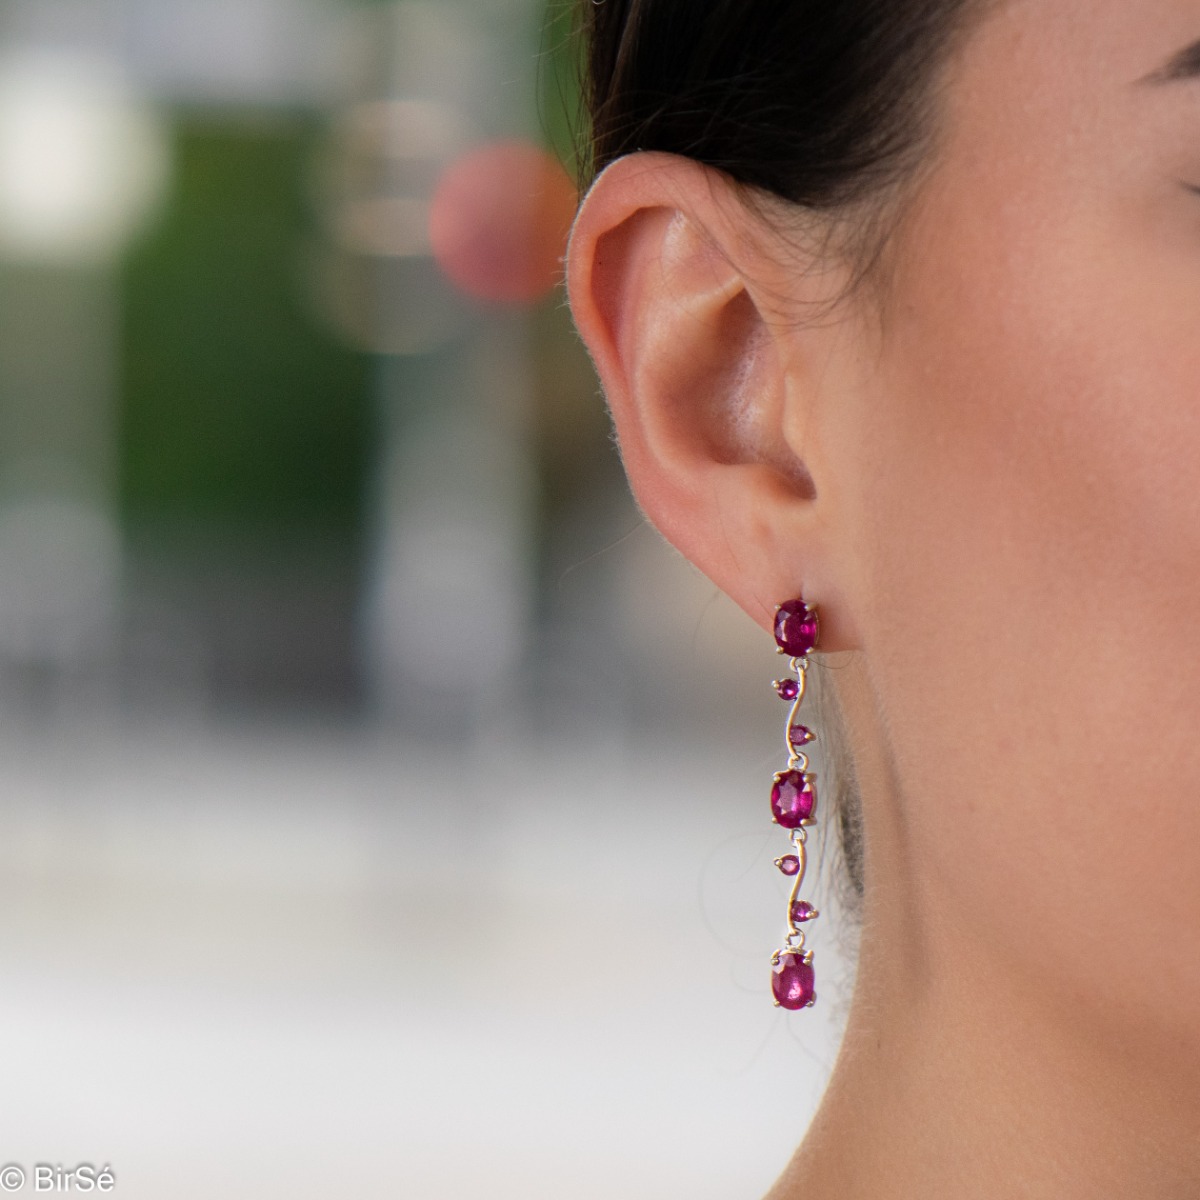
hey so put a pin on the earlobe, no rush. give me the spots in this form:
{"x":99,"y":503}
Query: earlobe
{"x":663,"y":281}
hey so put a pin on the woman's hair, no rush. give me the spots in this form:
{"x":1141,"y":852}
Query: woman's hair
{"x":828,"y":104}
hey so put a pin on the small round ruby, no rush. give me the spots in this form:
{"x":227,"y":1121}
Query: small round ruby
{"x":802,"y":911}
{"x":795,"y":628}
{"x":800,"y":735}
{"x":788,"y":689}
{"x":792,"y":798}
{"x":792,"y":981}
{"x":789,"y":864}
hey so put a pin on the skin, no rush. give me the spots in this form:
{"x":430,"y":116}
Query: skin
{"x":984,"y":472}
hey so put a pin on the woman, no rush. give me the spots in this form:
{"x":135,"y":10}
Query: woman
{"x":896,"y":305}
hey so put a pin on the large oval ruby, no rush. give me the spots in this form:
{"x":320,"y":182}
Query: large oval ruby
{"x":792,"y":981}
{"x":792,"y":798}
{"x":795,"y":628}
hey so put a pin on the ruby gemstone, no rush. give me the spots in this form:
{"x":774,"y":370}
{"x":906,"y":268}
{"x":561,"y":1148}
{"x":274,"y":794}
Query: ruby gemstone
{"x":792,"y":798}
{"x":795,"y":628}
{"x":788,"y":689}
{"x":789,"y":864}
{"x":800,"y":735}
{"x":792,"y":981}
{"x":802,"y":911}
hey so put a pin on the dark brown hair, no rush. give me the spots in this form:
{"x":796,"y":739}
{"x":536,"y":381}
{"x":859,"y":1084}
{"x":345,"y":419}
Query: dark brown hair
{"x":827,"y":104}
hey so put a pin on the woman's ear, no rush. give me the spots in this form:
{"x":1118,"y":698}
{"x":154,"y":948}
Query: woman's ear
{"x":715,"y":392}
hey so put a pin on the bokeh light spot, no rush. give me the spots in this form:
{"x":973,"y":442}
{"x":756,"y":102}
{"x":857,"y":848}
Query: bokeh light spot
{"x":499,"y":220}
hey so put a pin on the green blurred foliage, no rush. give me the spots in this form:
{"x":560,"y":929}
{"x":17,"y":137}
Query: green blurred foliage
{"x":559,"y":77}
{"x":237,"y":408}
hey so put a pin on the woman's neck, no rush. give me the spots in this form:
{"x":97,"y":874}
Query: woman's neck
{"x":975,"y":1082}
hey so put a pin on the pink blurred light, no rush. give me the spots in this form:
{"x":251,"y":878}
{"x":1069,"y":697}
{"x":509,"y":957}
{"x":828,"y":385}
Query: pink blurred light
{"x":499,"y":220}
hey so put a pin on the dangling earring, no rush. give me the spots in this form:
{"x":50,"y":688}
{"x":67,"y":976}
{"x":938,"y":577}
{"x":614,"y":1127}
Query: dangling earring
{"x":794,"y":806}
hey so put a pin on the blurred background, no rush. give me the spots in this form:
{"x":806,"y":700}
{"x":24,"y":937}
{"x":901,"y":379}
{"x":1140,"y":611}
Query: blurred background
{"x":382,"y":803}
